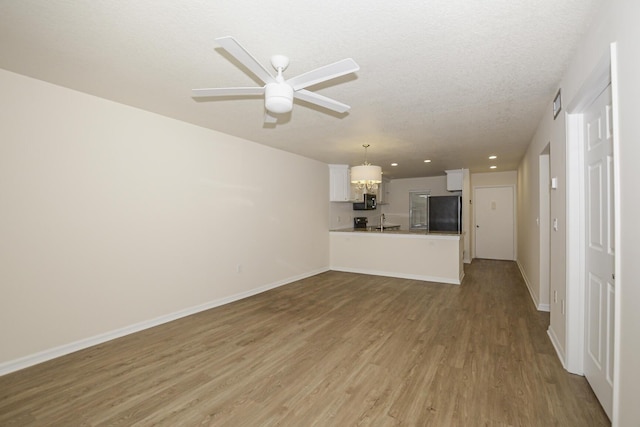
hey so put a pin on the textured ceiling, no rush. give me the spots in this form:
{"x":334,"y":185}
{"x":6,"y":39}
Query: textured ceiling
{"x":449,"y":80}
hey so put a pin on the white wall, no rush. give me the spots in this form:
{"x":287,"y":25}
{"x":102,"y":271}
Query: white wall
{"x":113,"y":218}
{"x":490,"y":179}
{"x":397,"y":211}
{"x":617,"y":22}
{"x":341,"y":215}
{"x":553,"y":133}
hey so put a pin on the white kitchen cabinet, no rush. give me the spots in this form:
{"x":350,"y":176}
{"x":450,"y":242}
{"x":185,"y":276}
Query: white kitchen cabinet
{"x":339,"y":183}
{"x":454,"y":179}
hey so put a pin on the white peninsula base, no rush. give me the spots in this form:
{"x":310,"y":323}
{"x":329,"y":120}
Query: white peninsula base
{"x":429,"y":257}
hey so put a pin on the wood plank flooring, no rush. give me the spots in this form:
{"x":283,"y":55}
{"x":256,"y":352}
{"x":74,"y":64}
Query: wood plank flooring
{"x":337,"y":349}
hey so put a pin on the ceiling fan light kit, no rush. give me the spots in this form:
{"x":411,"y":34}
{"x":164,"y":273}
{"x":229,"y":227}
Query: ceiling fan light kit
{"x":278,"y":92}
{"x":278,"y":97}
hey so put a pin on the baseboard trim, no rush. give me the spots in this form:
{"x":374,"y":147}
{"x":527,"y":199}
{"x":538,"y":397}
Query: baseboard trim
{"x":556,"y":345}
{"x":526,"y":282}
{"x":539,"y":306}
{"x":400,"y":275}
{"x":52,"y":353}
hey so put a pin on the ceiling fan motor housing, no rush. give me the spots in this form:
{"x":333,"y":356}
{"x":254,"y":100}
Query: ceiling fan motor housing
{"x":278,"y":97}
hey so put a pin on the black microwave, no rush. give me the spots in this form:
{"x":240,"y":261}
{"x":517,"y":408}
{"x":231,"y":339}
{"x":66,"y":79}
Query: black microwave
{"x":368,"y":203}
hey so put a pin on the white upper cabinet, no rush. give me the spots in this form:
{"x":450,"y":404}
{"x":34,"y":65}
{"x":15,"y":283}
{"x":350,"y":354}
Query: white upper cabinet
{"x":339,"y":183}
{"x":454,"y":179}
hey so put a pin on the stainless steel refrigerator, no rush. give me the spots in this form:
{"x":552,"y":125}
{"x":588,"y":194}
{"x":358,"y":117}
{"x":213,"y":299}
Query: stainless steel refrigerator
{"x":445,"y":213}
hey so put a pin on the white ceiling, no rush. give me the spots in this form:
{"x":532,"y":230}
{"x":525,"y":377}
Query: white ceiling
{"x":449,"y":80}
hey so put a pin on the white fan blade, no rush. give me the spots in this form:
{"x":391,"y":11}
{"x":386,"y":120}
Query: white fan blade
{"x":227,"y":91}
{"x":323,"y":74}
{"x":268,"y":118}
{"x":322,"y":101}
{"x":237,"y":51}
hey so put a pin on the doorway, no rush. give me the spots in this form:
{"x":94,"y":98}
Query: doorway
{"x":495,"y":222}
{"x":544,"y":221}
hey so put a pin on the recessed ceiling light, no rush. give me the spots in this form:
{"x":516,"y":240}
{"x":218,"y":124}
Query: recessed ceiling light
{"x":493,"y":157}
{"x":427,"y":161}
{"x":394,"y":164}
{"x":493,"y":167}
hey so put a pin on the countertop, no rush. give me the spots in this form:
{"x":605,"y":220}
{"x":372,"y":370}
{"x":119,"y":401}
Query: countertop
{"x":374,"y":230}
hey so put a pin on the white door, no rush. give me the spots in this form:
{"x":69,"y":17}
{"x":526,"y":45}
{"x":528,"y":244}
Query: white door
{"x":493,"y":207}
{"x":599,"y":250}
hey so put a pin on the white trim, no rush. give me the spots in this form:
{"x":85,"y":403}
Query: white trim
{"x":598,"y":80}
{"x":574,"y":294}
{"x":52,"y":353}
{"x":536,"y":303}
{"x":400,"y":275}
{"x":544,"y":226}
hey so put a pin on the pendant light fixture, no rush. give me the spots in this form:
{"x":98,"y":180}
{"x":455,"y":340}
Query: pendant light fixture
{"x":367,"y":176}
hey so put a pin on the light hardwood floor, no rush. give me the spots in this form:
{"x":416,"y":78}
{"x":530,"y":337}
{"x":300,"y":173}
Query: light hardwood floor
{"x":337,"y":349}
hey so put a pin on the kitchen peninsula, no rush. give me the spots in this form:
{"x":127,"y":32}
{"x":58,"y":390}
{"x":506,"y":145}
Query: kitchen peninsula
{"x":433,"y":257}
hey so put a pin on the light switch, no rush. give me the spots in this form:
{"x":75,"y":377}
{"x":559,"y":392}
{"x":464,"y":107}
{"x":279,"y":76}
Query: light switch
{"x":554,"y":183}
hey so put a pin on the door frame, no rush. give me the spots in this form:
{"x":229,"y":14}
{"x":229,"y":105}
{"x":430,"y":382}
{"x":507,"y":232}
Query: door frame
{"x":543,"y":302}
{"x":515,"y":225}
{"x":603,"y":74}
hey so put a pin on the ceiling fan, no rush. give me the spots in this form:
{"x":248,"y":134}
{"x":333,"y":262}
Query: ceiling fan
{"x":278,"y":92}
